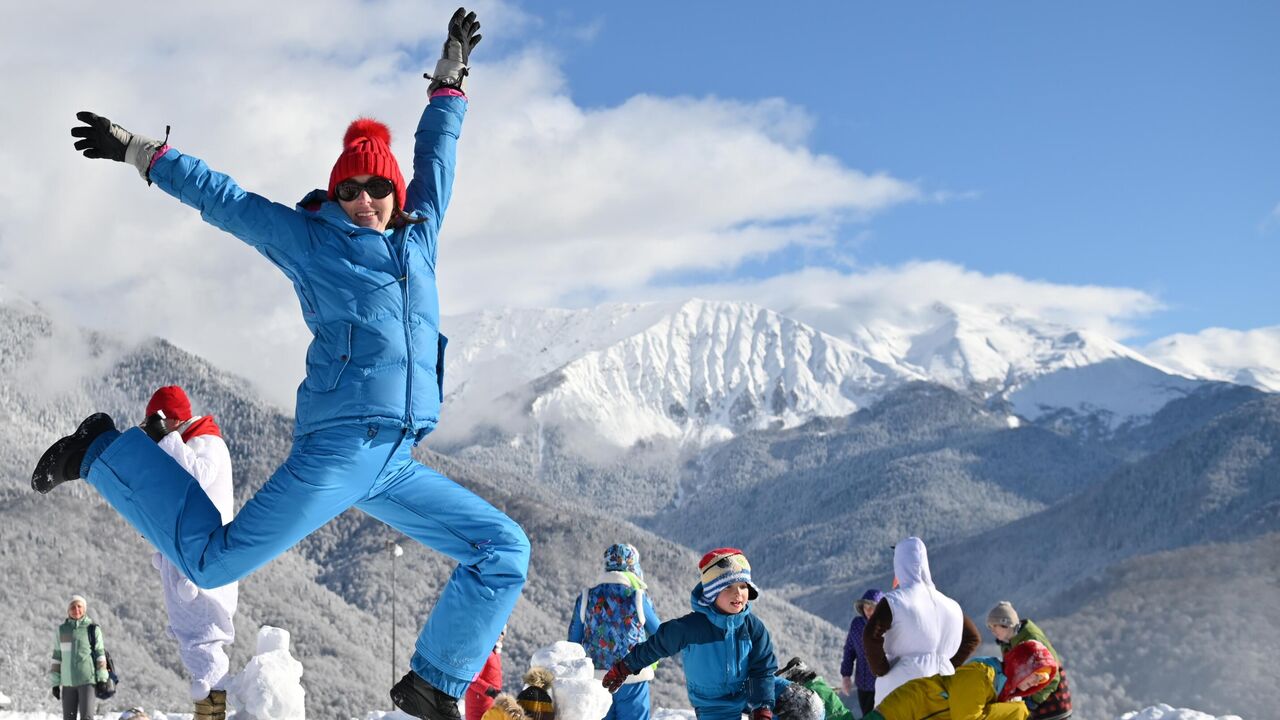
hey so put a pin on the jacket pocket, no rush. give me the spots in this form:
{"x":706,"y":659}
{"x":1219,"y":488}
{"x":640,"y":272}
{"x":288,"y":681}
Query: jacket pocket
{"x":328,"y":356}
{"x":440,"y":345}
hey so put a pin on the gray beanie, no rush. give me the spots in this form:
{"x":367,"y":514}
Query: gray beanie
{"x":1003,"y":615}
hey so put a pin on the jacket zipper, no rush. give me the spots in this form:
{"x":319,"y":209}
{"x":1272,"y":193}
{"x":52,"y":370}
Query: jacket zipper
{"x":408,"y":335}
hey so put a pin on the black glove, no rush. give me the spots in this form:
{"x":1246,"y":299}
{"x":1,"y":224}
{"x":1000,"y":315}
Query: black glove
{"x":493,"y":692}
{"x":57,"y":692}
{"x":153,"y":426}
{"x":464,"y":35}
{"x":102,"y":139}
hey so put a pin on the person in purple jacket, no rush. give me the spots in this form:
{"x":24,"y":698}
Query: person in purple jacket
{"x":866,"y":680}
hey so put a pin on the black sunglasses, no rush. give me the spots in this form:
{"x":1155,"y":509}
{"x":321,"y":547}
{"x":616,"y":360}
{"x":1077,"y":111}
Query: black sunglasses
{"x":377,"y":187}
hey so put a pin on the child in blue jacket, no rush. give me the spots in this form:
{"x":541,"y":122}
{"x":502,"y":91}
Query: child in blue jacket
{"x":727,"y":652}
{"x":362,"y":260}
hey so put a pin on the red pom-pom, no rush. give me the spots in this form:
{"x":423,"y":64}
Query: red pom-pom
{"x":367,"y":128}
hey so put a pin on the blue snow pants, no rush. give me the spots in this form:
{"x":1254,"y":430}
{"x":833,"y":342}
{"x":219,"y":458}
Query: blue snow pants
{"x":365,"y":465}
{"x":631,"y":702}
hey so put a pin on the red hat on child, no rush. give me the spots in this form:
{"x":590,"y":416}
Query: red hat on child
{"x":173,"y":401}
{"x":366,"y":150}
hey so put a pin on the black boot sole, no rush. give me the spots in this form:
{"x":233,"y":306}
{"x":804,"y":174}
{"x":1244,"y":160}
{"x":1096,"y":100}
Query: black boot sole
{"x":52,"y":469}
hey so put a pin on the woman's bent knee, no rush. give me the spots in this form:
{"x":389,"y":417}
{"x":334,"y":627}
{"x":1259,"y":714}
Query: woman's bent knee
{"x":509,"y":555}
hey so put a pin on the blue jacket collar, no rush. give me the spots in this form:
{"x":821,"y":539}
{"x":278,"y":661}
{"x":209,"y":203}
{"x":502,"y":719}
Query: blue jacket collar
{"x":717,"y":618}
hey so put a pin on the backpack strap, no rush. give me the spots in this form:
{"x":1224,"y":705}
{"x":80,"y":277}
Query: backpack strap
{"x":93,"y":645}
{"x":637,"y":586}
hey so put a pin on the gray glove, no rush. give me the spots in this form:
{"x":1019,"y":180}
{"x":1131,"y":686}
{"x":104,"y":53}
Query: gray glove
{"x":464,"y":35}
{"x":101,"y":138}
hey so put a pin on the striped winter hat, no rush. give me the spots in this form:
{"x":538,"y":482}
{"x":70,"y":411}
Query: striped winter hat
{"x":723,"y":567}
{"x":535,"y":699}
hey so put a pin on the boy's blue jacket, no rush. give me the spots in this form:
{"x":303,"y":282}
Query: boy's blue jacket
{"x":369,"y":298}
{"x":726,"y":657}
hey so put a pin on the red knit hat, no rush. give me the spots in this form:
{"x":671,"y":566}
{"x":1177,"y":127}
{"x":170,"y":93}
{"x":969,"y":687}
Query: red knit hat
{"x":366,"y":150}
{"x":173,"y":401}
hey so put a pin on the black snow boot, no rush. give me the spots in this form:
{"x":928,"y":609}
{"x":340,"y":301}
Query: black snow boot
{"x":797,"y":672}
{"x":421,"y":699}
{"x":61,"y":462}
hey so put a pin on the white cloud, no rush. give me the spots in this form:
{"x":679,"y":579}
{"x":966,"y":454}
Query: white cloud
{"x":552,"y":200}
{"x":842,"y":303}
{"x":1250,"y":357}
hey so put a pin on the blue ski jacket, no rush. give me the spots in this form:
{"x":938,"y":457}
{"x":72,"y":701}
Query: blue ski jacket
{"x":369,"y":298}
{"x":728,"y":659}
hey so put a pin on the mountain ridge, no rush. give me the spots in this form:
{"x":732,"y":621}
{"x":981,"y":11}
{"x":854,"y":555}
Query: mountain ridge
{"x":698,"y":372}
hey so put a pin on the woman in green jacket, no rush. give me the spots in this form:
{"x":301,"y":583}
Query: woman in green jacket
{"x":79,"y":665}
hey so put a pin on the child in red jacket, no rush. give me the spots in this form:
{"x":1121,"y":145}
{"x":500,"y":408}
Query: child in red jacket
{"x":487,"y":685}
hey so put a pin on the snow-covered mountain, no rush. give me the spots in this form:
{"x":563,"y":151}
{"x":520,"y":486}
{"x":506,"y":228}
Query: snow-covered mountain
{"x":701,"y":371}
{"x":1244,"y":357}
{"x":692,"y":371}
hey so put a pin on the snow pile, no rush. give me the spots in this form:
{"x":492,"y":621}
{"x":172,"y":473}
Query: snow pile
{"x":577,"y":693}
{"x":4,"y":699}
{"x":668,"y":714}
{"x":270,"y":686}
{"x":1164,"y":712}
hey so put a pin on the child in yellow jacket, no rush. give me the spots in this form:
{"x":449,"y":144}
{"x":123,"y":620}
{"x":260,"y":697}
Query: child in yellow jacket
{"x":969,"y":694}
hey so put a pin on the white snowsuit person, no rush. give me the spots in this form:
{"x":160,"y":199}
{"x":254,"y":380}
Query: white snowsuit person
{"x":927,"y":625}
{"x":200,"y":620}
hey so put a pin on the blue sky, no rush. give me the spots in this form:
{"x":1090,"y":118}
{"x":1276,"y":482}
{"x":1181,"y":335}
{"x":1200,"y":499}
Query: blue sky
{"x":1129,"y":144}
